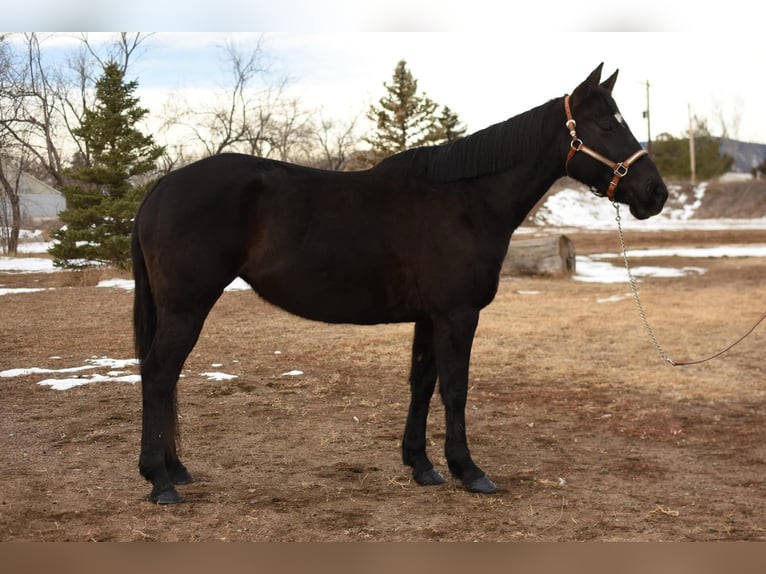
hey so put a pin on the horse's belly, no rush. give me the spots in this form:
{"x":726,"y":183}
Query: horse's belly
{"x":356,"y":296}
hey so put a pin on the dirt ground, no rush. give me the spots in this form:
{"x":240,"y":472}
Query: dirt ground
{"x":588,"y":435}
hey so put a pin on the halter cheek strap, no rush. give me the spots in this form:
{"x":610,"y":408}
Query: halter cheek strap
{"x":620,"y":169}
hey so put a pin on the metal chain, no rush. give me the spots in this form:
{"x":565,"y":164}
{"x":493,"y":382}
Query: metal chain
{"x":663,"y":354}
{"x":634,"y":287}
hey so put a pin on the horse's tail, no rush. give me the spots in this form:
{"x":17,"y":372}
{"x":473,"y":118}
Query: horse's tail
{"x":144,"y":310}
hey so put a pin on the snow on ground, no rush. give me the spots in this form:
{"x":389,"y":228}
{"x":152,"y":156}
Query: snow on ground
{"x":218,"y":376}
{"x":41,"y":265}
{"x":579,"y":209}
{"x":116,"y":374}
{"x":591,"y":271}
{"x":26,"y":265}
{"x":13,"y":290}
{"x":750,"y":250}
{"x":117,"y":371}
{"x":126,"y":284}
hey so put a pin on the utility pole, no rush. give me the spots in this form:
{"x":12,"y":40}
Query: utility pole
{"x":648,"y":122}
{"x":692,"y":158}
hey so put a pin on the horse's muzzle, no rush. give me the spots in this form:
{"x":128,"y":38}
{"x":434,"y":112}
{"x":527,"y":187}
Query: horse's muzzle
{"x":653,"y":200}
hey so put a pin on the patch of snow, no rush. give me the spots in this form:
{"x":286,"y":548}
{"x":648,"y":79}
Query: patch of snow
{"x":126,"y":284}
{"x":750,"y":250}
{"x":238,"y":284}
{"x":15,"y":290}
{"x":579,"y":209}
{"x":27,"y":265}
{"x":112,"y":363}
{"x":38,"y":371}
{"x":614,"y":298}
{"x":293,"y":373}
{"x":66,"y":384}
{"x":35,"y":247}
{"x":590,"y":271}
{"x":63,"y":384}
{"x":217,"y":376}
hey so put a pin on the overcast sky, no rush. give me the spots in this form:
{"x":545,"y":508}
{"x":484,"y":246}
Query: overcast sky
{"x":485,"y":60}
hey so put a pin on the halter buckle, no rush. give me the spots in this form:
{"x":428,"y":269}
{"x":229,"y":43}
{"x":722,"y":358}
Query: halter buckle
{"x":621,"y":170}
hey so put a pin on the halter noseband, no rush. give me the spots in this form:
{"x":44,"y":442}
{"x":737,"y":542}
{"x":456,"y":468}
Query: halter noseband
{"x":620,"y":168}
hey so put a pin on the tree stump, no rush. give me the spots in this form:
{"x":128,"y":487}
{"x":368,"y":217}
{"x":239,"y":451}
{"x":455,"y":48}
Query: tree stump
{"x":543,"y":256}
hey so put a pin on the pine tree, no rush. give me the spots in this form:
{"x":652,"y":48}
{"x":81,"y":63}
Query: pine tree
{"x":672,"y":155}
{"x":103,"y":196}
{"x":451,"y":128}
{"x":407,"y":119}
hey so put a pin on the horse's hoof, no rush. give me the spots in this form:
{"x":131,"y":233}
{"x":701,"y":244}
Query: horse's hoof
{"x":482,"y":485}
{"x":181,"y":477}
{"x":168,"y":496}
{"x":430,"y":477}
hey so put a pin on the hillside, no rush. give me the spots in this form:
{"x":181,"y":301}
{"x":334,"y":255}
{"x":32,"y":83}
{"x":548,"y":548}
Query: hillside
{"x":746,"y":155}
{"x":733,"y":200}
{"x":727,"y":203}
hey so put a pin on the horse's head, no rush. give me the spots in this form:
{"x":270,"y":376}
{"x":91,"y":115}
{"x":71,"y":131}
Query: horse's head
{"x":603,"y":152}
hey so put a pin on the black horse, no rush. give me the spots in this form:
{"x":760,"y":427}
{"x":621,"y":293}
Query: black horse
{"x":418,"y":238}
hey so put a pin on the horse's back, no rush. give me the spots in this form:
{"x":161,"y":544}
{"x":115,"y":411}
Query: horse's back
{"x":323,"y":245}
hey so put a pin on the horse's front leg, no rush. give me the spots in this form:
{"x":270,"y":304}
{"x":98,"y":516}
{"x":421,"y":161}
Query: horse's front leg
{"x":453,"y":338}
{"x":422,"y":384}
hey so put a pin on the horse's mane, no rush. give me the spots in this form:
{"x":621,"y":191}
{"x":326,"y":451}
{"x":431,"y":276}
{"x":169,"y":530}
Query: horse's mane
{"x":491,"y":150}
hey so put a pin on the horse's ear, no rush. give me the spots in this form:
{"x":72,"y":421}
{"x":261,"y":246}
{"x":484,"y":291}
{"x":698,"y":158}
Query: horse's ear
{"x":608,"y":84}
{"x":590,"y":84}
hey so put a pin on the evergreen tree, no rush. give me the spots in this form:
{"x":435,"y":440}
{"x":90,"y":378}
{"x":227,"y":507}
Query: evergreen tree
{"x":406,"y":119}
{"x":672,"y":155}
{"x":451,"y":128}
{"x":102,"y":196}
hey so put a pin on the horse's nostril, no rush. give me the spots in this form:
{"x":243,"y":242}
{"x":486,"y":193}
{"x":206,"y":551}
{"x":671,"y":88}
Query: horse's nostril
{"x":658,"y":191}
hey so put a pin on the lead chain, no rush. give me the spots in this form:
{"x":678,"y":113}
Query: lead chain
{"x":634,"y":287}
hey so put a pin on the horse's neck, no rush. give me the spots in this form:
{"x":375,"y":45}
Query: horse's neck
{"x":514,"y":192}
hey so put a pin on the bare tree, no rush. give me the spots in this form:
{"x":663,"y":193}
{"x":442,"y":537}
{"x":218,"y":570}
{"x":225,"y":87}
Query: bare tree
{"x":10,"y":199}
{"x":253,"y":114}
{"x":292,"y":133}
{"x":29,"y":107}
{"x":41,"y":104}
{"x":237,"y":119}
{"x":729,"y":118}
{"x":337,"y":140}
{"x":119,"y":51}
{"x":10,"y":205}
{"x":48,"y":102}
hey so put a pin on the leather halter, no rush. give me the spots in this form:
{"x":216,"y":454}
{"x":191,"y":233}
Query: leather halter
{"x":620,"y":169}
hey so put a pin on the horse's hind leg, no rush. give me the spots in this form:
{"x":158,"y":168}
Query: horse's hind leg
{"x":176,"y":335}
{"x":422,"y":383}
